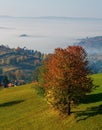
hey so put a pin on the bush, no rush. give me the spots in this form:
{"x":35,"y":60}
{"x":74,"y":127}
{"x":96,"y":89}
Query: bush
{"x":39,"y":90}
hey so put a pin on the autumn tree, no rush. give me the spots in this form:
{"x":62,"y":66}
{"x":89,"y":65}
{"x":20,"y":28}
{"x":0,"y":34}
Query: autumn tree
{"x":67,"y":77}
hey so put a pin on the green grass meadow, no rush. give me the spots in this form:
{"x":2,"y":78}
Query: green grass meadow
{"x":22,"y":108}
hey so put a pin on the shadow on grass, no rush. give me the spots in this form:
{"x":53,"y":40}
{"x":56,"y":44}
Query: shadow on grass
{"x":7,"y":104}
{"x":90,"y":112}
{"x":92,"y":98}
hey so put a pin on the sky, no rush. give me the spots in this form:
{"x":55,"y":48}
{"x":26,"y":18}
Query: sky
{"x":64,"y":8}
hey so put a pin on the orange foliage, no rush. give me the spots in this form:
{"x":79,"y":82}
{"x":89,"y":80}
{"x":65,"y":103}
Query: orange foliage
{"x":67,"y":70}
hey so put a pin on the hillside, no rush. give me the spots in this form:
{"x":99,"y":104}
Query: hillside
{"x":93,"y":46}
{"x":22,"y":108}
{"x":95,"y":62}
{"x":21,"y":62}
{"x":19,"y":59}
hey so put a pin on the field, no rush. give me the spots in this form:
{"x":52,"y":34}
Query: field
{"x":21,"y":108}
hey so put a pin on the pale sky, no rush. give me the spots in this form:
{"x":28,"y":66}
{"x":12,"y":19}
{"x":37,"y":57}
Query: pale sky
{"x":36,"y":8}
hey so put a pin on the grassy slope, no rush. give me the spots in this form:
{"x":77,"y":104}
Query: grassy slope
{"x":21,"y":108}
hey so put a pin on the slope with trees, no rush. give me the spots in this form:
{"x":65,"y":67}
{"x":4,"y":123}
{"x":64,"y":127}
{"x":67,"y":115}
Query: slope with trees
{"x":23,"y":60}
{"x":93,"y":45}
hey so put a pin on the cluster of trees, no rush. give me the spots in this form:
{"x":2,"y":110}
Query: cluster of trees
{"x":19,"y":60}
{"x":4,"y":80}
{"x":19,"y":55}
{"x":95,"y":65}
{"x":16,"y":75}
{"x":13,"y":59}
{"x":66,"y":77}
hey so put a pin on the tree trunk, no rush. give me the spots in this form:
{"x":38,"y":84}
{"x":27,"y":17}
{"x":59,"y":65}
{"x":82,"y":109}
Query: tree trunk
{"x":69,"y":108}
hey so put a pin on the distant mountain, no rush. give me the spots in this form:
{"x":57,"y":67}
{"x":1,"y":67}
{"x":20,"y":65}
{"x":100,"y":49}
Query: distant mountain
{"x":92,"y":45}
{"x":6,"y":16}
{"x":52,"y":17}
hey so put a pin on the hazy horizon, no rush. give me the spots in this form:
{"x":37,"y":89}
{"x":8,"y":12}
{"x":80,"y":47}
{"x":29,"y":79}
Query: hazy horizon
{"x":46,"y":34}
{"x":48,"y":24}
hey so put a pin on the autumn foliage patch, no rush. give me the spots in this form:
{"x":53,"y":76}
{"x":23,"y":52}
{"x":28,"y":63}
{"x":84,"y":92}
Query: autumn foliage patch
{"x":67,"y":77}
